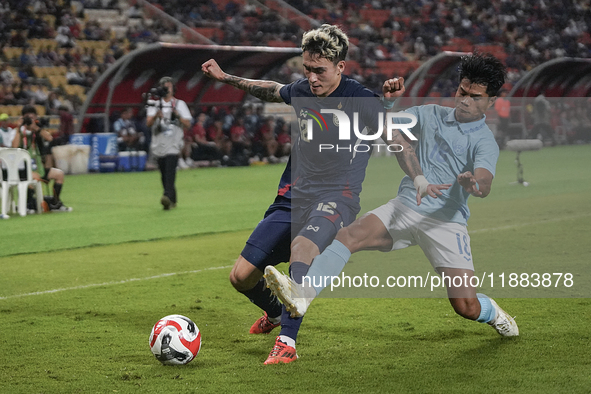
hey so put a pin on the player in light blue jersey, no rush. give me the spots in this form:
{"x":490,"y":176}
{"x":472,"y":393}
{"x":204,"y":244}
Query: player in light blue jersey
{"x":316,"y":196}
{"x":456,"y":147}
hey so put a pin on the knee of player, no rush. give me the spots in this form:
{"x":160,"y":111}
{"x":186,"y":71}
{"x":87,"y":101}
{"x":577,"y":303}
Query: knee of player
{"x":355,"y":238}
{"x":58,"y":175}
{"x":237,"y":282}
{"x":347,"y":238}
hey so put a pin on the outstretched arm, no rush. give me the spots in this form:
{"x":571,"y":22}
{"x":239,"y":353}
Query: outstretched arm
{"x":409,"y":162}
{"x":477,"y":184}
{"x":264,"y":90}
{"x":407,"y":158}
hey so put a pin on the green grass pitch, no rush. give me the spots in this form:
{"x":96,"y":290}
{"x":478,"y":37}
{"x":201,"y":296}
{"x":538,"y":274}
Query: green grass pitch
{"x":80,"y":292}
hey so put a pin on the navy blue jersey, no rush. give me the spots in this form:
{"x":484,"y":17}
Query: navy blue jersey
{"x":317,"y":172}
{"x":284,"y":189}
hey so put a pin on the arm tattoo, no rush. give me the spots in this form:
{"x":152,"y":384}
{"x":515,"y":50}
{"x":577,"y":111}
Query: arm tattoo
{"x":409,"y":162}
{"x":264,"y":90}
{"x":407,"y":158}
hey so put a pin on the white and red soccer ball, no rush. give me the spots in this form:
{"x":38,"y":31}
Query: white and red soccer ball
{"x":175,"y":340}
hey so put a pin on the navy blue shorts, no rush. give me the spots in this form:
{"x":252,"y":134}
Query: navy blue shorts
{"x":269,"y":243}
{"x":318,"y":221}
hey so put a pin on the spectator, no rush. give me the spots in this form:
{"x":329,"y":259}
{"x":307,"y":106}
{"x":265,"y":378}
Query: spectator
{"x":19,"y":39}
{"x":39,"y":95}
{"x":216,"y":134}
{"x":7,"y":94}
{"x":503,"y":108}
{"x":6,"y":133}
{"x":128,"y":138}
{"x":75,"y":78}
{"x":203,"y":151}
{"x":284,"y":142}
{"x":269,"y":139}
{"x":66,"y":128}
{"x":64,"y":37}
{"x":240,"y":143}
{"x":52,"y":104}
{"x":23,"y":94}
{"x":6,"y":76}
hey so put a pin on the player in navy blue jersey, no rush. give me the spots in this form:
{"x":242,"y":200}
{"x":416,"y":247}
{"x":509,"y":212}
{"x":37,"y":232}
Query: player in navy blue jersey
{"x":318,"y":193}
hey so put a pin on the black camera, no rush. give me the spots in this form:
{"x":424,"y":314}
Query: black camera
{"x":41,"y":122}
{"x":155,"y":94}
{"x":160,"y":91}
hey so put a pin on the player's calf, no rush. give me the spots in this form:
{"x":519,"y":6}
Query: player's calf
{"x":468,"y":308}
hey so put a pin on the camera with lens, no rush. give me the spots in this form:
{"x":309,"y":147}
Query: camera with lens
{"x":160,"y":91}
{"x":41,"y":122}
{"x":155,"y":94}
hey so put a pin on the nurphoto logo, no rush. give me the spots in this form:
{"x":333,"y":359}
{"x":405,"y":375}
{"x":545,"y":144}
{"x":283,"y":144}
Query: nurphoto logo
{"x":341,"y":119}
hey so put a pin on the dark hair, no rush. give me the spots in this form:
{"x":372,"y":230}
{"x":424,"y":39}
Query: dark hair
{"x":484,"y":70}
{"x":28,"y":109}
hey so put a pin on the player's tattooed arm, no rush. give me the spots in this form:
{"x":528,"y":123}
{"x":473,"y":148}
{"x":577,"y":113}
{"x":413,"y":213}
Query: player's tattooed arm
{"x":407,"y":158}
{"x":264,"y":90}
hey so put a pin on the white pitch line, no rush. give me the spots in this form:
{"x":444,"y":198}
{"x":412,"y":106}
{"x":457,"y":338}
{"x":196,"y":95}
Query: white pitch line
{"x":482,"y":230}
{"x":511,"y":226}
{"x":120,"y":282}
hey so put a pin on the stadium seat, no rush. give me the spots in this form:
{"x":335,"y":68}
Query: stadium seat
{"x":375,"y":17}
{"x":40,"y":110}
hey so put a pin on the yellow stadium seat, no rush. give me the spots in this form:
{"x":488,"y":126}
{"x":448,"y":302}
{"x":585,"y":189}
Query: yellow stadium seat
{"x":54,"y":81}
{"x":50,"y":19}
{"x":39,"y":72}
{"x":15,"y":110}
{"x":11,"y":52}
{"x":40,"y":110}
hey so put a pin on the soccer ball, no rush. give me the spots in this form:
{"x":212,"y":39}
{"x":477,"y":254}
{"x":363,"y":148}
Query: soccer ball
{"x":175,"y":340}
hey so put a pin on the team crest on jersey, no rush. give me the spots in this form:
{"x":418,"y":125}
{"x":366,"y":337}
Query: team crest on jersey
{"x":460,"y":145}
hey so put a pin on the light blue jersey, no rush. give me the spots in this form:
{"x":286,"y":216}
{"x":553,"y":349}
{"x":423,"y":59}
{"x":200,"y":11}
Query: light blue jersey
{"x":447,"y":148}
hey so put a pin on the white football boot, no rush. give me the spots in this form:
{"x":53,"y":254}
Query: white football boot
{"x":503,"y":322}
{"x":295,"y":297}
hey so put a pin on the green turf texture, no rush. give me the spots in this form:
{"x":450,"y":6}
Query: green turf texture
{"x":80,"y":292}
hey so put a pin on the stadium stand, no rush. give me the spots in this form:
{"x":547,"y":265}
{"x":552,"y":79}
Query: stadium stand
{"x":43,"y":41}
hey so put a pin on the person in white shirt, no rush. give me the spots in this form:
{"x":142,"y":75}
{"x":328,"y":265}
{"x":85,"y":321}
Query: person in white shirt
{"x":6,"y":133}
{"x":168,"y":117}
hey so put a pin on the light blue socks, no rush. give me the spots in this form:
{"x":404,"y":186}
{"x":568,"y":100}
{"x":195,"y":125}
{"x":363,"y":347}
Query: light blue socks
{"x":487,"y":310}
{"x":329,"y":263}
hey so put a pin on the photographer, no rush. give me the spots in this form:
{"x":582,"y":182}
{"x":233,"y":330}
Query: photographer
{"x":167,"y":116}
{"x":31,"y":136}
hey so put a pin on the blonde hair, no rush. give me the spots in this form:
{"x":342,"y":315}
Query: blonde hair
{"x":327,"y":41}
